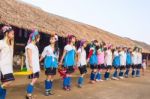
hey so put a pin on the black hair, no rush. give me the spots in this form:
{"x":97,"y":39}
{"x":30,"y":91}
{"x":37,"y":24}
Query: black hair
{"x":56,"y":48}
{"x":135,"y":48}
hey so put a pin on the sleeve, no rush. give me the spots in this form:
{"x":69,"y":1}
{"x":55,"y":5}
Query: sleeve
{"x":44,"y":53}
{"x":79,"y":51}
{"x":120,"y":53}
{"x":1,"y":44}
{"x":115,"y":54}
{"x":66,"y":48}
{"x":90,"y":53}
{"x":29,"y":46}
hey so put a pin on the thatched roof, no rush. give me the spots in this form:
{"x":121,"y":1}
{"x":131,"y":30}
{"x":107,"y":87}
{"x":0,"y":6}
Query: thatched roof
{"x":26,"y":16}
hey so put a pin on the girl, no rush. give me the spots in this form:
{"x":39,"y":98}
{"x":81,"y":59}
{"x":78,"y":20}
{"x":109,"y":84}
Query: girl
{"x":69,"y":61}
{"x":32,"y":61}
{"x":143,"y":67}
{"x":108,"y":61}
{"x":134,"y":61}
{"x":6,"y":60}
{"x":81,"y":62}
{"x":139,"y":62}
{"x":116,"y":63}
{"x":128,"y":62}
{"x":100,"y":57}
{"x":50,"y":56}
{"x":92,"y":59}
{"x":122,"y":62}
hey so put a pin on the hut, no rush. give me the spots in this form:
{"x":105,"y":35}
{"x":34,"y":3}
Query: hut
{"x":25,"y":17}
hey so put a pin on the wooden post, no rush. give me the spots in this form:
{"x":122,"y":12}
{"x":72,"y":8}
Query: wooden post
{"x":147,"y":59}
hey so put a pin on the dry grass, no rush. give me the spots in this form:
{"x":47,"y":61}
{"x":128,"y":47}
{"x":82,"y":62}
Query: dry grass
{"x":23,"y":15}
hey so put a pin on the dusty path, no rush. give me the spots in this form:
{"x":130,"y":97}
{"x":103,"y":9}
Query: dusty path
{"x":130,"y":88}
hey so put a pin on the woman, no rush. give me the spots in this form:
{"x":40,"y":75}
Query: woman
{"x":139,"y":62}
{"x":92,"y":59}
{"x":81,"y":62}
{"x":32,"y":61}
{"x":108,"y":61}
{"x":100,"y":58}
{"x":68,"y":58}
{"x":134,"y":61}
{"x":128,"y":62}
{"x":6,"y":60}
{"x":122,"y":62}
{"x":50,"y":55}
{"x":116,"y":63}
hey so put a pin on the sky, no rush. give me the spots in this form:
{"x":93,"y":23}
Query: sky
{"x":126,"y":18}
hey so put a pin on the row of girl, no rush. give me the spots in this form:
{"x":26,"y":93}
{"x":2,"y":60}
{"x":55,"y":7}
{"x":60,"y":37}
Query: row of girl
{"x":100,"y":57}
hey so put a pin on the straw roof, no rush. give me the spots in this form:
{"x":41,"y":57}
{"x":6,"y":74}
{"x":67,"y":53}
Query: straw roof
{"x":26,"y":16}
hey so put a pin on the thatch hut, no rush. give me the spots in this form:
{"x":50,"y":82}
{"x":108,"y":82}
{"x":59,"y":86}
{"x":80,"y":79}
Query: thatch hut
{"x":24,"y":17}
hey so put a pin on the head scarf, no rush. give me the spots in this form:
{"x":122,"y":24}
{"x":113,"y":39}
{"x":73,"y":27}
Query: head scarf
{"x":6,"y":28}
{"x":33,"y":35}
{"x":69,"y":38}
{"x":82,"y":42}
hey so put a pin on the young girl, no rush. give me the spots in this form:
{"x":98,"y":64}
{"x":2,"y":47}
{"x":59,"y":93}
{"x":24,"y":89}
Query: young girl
{"x":143,"y":67}
{"x":92,"y":59}
{"x":139,"y":62}
{"x":81,"y":62}
{"x":128,"y":62}
{"x":100,"y":57}
{"x":108,"y":62}
{"x":116,"y":63}
{"x":32,"y":61}
{"x":6,"y":60}
{"x":50,"y":55}
{"x":69,"y":61}
{"x":134,"y":61}
{"x":122,"y":62}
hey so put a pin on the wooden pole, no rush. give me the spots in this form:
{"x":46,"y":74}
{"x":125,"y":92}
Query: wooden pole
{"x":147,"y":59}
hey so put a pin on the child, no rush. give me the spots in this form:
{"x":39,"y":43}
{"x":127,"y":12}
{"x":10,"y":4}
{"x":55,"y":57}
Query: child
{"x":6,"y":60}
{"x":108,"y":61}
{"x":92,"y":59}
{"x":69,"y":61}
{"x":139,"y":62}
{"x":143,"y":67}
{"x":32,"y":61}
{"x":116,"y":63}
{"x":128,"y":62}
{"x":50,"y":55}
{"x":122,"y":62}
{"x":81,"y":62}
{"x":134,"y":61}
{"x":100,"y":57}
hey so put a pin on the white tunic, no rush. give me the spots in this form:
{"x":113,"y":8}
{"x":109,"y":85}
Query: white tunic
{"x":35,"y":58}
{"x":122,"y":58}
{"x":6,"y":58}
{"x":116,"y":53}
{"x":134,"y":58}
{"x":48,"y":51}
{"x":69,"y":47}
{"x":108,"y":57}
{"x":82,"y":57}
{"x":139,"y":58}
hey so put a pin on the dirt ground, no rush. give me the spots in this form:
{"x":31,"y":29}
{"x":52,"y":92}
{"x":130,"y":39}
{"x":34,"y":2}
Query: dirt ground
{"x":128,"y":88}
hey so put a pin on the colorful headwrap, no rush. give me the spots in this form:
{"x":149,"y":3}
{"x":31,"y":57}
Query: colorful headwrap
{"x":6,"y":28}
{"x":82,"y":42}
{"x":69,"y":38}
{"x":33,"y":35}
{"x":109,"y":46}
